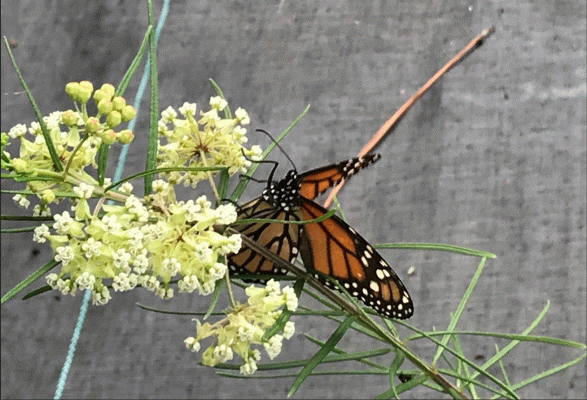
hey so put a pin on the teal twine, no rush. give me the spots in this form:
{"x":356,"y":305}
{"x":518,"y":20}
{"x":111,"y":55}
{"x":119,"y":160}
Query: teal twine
{"x":118,"y":173}
{"x":73,"y":344}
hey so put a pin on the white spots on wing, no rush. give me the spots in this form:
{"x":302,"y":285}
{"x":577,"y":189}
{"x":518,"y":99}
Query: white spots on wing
{"x":380,"y":274}
{"x":374,"y":286}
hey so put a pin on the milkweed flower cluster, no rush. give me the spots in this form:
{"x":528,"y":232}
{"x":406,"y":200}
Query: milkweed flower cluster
{"x":152,"y":241}
{"x":134,"y":245}
{"x":245,"y":325}
{"x":209,"y":141}
{"x":75,"y":136}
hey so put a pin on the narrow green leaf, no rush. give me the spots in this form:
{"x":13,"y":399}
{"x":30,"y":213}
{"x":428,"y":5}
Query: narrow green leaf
{"x":321,"y":218}
{"x":331,"y":358}
{"x":506,"y":378}
{"x":223,"y":183}
{"x":25,"y":218}
{"x":215,"y":297}
{"x":418,"y":380}
{"x":158,"y":170}
{"x":37,"y":292}
{"x":19,"y":230}
{"x":436,"y":247}
{"x":545,"y":374}
{"x":397,"y":362}
{"x":160,"y":311}
{"x":513,"y":343}
{"x":48,"y":141}
{"x":226,"y":111}
{"x":512,"y":336}
{"x":285,"y":315}
{"x":151,"y":162}
{"x":460,"y":309}
{"x":321,"y":354}
{"x":102,"y":162}
{"x":30,"y":279}
{"x":340,"y":351}
{"x":134,"y":65}
{"x":479,"y":370}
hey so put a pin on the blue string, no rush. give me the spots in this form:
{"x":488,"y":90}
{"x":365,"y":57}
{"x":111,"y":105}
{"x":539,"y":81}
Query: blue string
{"x":118,"y":173}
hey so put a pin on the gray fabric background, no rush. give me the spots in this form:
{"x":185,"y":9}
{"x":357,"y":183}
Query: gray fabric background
{"x":492,"y":158}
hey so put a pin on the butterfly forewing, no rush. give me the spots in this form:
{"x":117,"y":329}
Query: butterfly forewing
{"x":317,"y":181}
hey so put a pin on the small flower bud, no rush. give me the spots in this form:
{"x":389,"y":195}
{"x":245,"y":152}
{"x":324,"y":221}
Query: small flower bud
{"x":100,"y":95}
{"x":19,"y":164}
{"x":128,"y":113}
{"x":109,"y":89}
{"x":118,"y":103}
{"x":93,"y":124}
{"x":85,"y":93}
{"x":4,"y":139}
{"x":126,"y":136}
{"x":108,"y":136}
{"x":48,"y":196}
{"x":72,"y":89}
{"x":69,"y":118}
{"x":113,"y":119}
{"x":104,"y":106}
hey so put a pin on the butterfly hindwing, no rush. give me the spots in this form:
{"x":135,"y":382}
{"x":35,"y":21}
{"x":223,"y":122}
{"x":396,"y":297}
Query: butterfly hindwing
{"x":353,"y":262}
{"x":281,"y":239}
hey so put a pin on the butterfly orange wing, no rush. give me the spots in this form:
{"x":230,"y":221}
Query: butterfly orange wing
{"x":331,"y":247}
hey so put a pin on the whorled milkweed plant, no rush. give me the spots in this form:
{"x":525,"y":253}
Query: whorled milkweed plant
{"x":131,"y":241}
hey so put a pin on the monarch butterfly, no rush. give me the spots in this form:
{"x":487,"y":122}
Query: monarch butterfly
{"x":331,"y":246}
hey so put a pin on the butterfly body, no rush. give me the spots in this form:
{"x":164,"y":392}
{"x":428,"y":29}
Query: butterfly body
{"x":330,"y":247}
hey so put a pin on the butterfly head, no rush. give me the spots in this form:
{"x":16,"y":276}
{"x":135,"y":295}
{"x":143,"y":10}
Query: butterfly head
{"x":285,"y":193}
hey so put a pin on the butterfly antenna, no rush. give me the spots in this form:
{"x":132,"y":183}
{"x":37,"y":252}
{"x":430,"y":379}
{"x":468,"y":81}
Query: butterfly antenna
{"x":280,"y":148}
{"x":275,"y":163}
